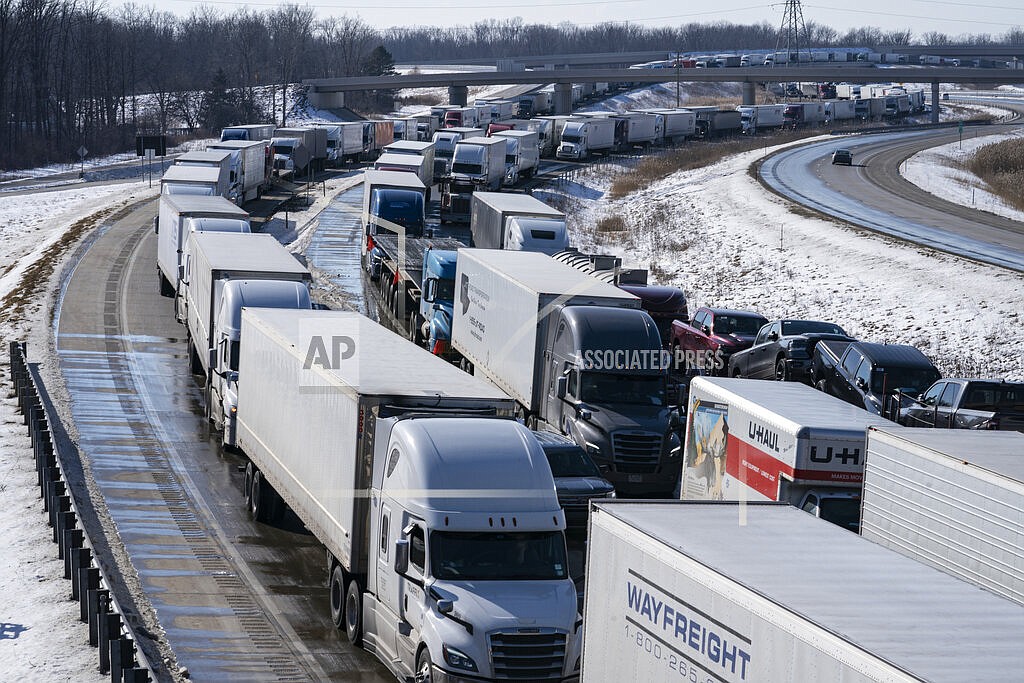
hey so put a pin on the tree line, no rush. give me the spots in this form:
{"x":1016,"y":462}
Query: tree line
{"x":74,"y":73}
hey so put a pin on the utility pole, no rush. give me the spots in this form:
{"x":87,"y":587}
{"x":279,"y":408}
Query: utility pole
{"x":792,"y":38}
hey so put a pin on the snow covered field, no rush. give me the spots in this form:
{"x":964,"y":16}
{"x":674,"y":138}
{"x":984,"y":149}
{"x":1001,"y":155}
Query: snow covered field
{"x":714,"y":232}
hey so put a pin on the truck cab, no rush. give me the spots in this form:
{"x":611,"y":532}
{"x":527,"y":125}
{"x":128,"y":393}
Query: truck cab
{"x":573,"y":143}
{"x":437,"y":300}
{"x":397,"y":207}
{"x":469,"y":577}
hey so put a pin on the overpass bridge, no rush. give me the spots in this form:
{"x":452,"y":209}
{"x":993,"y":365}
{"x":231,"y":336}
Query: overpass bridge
{"x":326,"y":93}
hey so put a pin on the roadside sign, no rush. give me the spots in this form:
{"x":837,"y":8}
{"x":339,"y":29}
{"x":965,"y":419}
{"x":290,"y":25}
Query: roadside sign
{"x":961,"y":126}
{"x":82,"y":151}
{"x":155,"y":142}
{"x":150,"y":153}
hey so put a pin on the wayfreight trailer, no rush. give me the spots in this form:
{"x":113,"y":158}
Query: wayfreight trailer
{"x":748,"y":439}
{"x":761,"y":593}
{"x":445,"y":541}
{"x":950,"y":499}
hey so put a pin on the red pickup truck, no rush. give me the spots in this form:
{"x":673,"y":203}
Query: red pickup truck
{"x":722,"y":331}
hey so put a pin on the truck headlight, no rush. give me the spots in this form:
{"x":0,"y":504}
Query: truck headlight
{"x":457,"y":659}
{"x":593,"y":449}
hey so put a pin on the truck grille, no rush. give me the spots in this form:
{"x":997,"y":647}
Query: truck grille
{"x":636,"y":452}
{"x":528,"y":654}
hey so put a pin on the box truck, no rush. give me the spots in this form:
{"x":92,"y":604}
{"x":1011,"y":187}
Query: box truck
{"x":582,"y":137}
{"x":344,"y":142}
{"x":950,"y":499}
{"x":749,"y":439}
{"x":478,"y":164}
{"x":523,"y":154}
{"x":444,"y":147}
{"x":760,"y":592}
{"x":761,"y":116}
{"x":250,"y":161}
{"x":180,"y":216}
{"x":576,"y":354}
{"x":517,"y":222}
{"x":445,"y":542}
{"x":314,"y":140}
{"x":250,"y":132}
{"x":210,"y":181}
{"x":415,"y":148}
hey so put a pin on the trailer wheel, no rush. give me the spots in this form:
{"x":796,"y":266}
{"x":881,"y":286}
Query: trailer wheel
{"x":247,"y":484}
{"x":415,"y":334}
{"x":264,"y":505}
{"x":337,"y":596}
{"x":354,"y":613}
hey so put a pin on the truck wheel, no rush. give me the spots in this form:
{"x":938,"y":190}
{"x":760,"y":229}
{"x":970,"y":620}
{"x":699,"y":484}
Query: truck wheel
{"x":166,"y":289}
{"x":781,"y":370}
{"x":354,"y":613}
{"x":247,"y":483}
{"x":424,"y":667}
{"x":415,"y":335}
{"x":337,"y":596}
{"x":261,"y":499}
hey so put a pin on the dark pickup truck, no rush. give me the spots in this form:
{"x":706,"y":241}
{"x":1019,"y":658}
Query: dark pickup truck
{"x":783,"y":349}
{"x":721,"y":331}
{"x":871,"y":375}
{"x":967,"y":404}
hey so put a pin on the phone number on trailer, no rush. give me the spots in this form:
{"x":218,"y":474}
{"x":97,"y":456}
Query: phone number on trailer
{"x":680,"y":665}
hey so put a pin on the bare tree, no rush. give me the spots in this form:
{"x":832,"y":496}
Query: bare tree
{"x":291,"y":29}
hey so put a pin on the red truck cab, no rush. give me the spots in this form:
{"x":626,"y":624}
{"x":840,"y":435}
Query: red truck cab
{"x":722,"y":330}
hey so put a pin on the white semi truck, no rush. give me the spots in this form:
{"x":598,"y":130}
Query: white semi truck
{"x":180,"y":216}
{"x":477,"y":165}
{"x":951,"y":499}
{"x":506,"y":220}
{"x":748,"y":439}
{"x":582,"y":137}
{"x":446,"y":549}
{"x":209,"y":181}
{"x":250,"y":160}
{"x":738,"y":593}
{"x":522,"y":155}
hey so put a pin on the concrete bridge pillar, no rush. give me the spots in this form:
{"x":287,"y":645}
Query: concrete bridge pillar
{"x":563,"y":98}
{"x":935,"y":101}
{"x":749,"y":97}
{"x":326,"y":100}
{"x":458,"y":95}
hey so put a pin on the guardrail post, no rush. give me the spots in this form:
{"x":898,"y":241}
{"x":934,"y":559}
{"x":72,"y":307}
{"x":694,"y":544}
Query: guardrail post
{"x":136,"y":675}
{"x":81,"y":558}
{"x":65,"y":520}
{"x":60,"y":502}
{"x":88,"y":580}
{"x":50,"y":475}
{"x":95,"y":615}
{"x":110,"y":629}
{"x":122,"y":656}
{"x":73,"y":541}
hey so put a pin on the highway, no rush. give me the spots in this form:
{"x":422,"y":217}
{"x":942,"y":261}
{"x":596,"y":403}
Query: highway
{"x":872,"y":194}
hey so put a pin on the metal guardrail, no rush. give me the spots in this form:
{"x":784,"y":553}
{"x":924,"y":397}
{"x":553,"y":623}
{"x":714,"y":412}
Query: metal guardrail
{"x":90,"y":586}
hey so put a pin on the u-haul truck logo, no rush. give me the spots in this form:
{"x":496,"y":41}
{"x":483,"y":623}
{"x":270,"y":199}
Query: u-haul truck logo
{"x":763,"y":436}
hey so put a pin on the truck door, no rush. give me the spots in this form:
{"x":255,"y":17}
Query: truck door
{"x":922,"y":412}
{"x":762,"y":354}
{"x":944,"y":411}
{"x":411,"y":592}
{"x":384,"y":584}
{"x":843,"y":377}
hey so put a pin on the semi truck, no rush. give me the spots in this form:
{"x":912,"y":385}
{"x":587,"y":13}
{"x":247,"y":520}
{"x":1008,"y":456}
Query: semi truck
{"x":250,"y":162}
{"x":407,"y":163}
{"x":840,"y":110}
{"x":678,"y":124}
{"x":393,"y":202}
{"x":344,"y":142}
{"x":445,"y":542}
{"x":210,"y":181}
{"x":576,"y":354}
{"x":517,"y":222}
{"x":314,"y":139}
{"x":951,"y":500}
{"x":640,"y":129}
{"x":222,"y":160}
{"x":463,"y":117}
{"x":290,"y":155}
{"x":583,"y":136}
{"x":478,"y":164}
{"x":714,"y":122}
{"x":804,"y":114}
{"x":180,"y":216}
{"x":870,"y":108}
{"x":444,"y":147}
{"x":738,"y":592}
{"x":763,"y":116}
{"x":780,"y":441}
{"x":522,"y":156}
{"x":249,"y":131}
{"x":549,"y":129}
{"x":376,"y":135}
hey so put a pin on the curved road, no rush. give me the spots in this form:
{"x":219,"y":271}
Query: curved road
{"x":872,"y":194}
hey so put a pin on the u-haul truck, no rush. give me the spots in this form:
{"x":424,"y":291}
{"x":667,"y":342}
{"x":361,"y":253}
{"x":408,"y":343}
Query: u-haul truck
{"x":779,"y":441}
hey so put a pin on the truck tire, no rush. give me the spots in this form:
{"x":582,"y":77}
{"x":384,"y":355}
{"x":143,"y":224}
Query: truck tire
{"x":337,"y":596}
{"x":781,"y":370}
{"x":247,"y":482}
{"x":264,"y":505}
{"x":424,"y":667}
{"x":415,"y":334}
{"x":354,"y":613}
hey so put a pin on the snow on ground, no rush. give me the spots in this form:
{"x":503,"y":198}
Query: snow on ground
{"x":939,"y":171}
{"x":664,"y":95}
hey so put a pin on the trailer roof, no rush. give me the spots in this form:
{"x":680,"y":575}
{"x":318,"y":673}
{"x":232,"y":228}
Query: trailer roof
{"x":792,"y":405}
{"x":238,"y":144}
{"x":932,"y":625}
{"x":399,"y":159}
{"x":408,"y":145}
{"x":383,"y":364}
{"x":182,"y":173}
{"x":246,"y":252}
{"x":515,"y":202}
{"x":1001,"y":453}
{"x":393,"y":179}
{"x":208,"y":155}
{"x":194,"y":203}
{"x":542,"y":274}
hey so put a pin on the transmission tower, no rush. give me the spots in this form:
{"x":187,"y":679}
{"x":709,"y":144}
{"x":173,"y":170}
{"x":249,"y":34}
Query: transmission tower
{"x":792,"y":38}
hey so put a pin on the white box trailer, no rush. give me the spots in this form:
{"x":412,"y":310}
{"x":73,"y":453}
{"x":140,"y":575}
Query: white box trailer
{"x":251,"y":159}
{"x":679,"y":123}
{"x":509,"y":220}
{"x":748,"y":439}
{"x":181,"y":215}
{"x":384,"y":450}
{"x":313,"y":139}
{"x":195,"y":180}
{"x":407,"y":163}
{"x":344,"y":141}
{"x":250,"y":131}
{"x":523,"y":151}
{"x":761,"y":116}
{"x":840,"y":110}
{"x":211,"y":260}
{"x":640,"y":128}
{"x":736,"y":593}
{"x":416,"y":148}
{"x":953,"y":499}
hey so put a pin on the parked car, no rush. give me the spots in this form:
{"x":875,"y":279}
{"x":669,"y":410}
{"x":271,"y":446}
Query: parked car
{"x":720,"y":330}
{"x":967,"y":404}
{"x":577,"y":479}
{"x":870,"y":375}
{"x":783,"y":348}
{"x":842,"y":156}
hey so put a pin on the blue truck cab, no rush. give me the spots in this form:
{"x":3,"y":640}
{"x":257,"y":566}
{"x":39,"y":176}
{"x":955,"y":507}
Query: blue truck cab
{"x":437,"y":300}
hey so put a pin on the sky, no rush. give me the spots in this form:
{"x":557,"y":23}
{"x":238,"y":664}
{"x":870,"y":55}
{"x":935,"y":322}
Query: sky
{"x":953,"y":17}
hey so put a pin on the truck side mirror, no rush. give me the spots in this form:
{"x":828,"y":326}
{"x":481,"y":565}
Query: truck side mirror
{"x":445,"y":606}
{"x":773,"y":335}
{"x":401,"y":556}
{"x":705,"y":329}
{"x":562,"y":386}
{"x":429,"y":287}
{"x":862,"y":383}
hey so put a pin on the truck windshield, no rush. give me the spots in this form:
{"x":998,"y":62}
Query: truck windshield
{"x":443,"y":152}
{"x":842,"y":511}
{"x":911,"y":380}
{"x":228,"y":134}
{"x":571,"y":462}
{"x":489,"y":556}
{"x":790,"y":327}
{"x":471,"y":169}
{"x":282,"y":149}
{"x":597,"y":387}
{"x":570,"y":137}
{"x":992,"y":396}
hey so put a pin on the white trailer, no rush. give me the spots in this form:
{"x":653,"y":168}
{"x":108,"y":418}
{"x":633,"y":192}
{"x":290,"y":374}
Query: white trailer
{"x":840,"y":110}
{"x":415,"y":148}
{"x":314,"y":140}
{"x":679,"y":123}
{"x":516,"y":221}
{"x":446,"y":547}
{"x":250,"y":131}
{"x":179,"y":217}
{"x":250,"y":160}
{"x":195,"y":180}
{"x":444,"y":147}
{"x":220,"y":159}
{"x":640,"y":129}
{"x":344,"y":142}
{"x":848,"y":91}
{"x":408,"y":163}
{"x":951,"y":499}
{"x":749,"y":439}
{"x":761,"y":116}
{"x":583,"y":136}
{"x":738,"y":593}
{"x":523,"y":153}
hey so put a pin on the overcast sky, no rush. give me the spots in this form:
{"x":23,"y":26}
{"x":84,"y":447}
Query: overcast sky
{"x":953,"y":17}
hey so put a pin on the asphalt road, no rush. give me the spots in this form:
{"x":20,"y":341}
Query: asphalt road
{"x":872,"y":194}
{"x":238,"y":600}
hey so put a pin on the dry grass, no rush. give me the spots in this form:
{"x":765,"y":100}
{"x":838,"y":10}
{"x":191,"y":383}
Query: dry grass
{"x":1001,"y":166}
{"x":613,"y":223}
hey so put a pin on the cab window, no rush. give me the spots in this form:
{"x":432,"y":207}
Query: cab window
{"x":948,"y":396}
{"x":931,"y":397}
{"x":417,"y":549}
{"x":864,"y":372}
{"x":852,"y":360}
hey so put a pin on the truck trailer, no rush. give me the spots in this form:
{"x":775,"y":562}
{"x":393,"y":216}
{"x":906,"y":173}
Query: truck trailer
{"x":523,"y":154}
{"x":444,"y":147}
{"x":763,"y":116}
{"x":581,"y":137}
{"x":210,"y":181}
{"x":445,"y":541}
{"x":249,"y":131}
{"x":314,"y":139}
{"x":748,"y":439}
{"x":478,"y":164}
{"x":576,"y":354}
{"x":250,"y":160}
{"x":407,"y":163}
{"x":738,"y":593}
{"x":950,"y":499}
{"x":516,"y":221}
